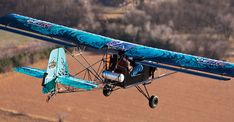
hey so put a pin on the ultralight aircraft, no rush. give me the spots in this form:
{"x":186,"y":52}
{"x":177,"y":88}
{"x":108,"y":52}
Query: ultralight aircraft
{"x":122,"y":66}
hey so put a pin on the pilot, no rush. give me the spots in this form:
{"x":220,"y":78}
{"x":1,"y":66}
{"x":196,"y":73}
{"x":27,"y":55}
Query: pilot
{"x":123,"y":65}
{"x":126,"y":66}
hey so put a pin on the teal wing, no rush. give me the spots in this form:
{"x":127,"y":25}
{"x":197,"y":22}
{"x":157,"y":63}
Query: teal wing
{"x":38,"y":73}
{"x":136,"y":52}
{"x":70,"y":35}
{"x":76,"y":82}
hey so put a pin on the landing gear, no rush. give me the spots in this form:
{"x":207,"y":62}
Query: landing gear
{"x":153,"y":101}
{"x":50,"y":96}
{"x":107,"y":90}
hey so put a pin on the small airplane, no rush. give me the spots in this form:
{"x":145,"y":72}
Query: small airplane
{"x":123,"y":64}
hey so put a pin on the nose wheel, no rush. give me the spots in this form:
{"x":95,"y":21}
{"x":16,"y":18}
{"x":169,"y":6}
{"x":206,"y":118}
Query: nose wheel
{"x":107,"y":90}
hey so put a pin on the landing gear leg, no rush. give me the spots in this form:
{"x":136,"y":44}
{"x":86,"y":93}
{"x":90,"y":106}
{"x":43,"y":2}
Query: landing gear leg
{"x":153,"y":100}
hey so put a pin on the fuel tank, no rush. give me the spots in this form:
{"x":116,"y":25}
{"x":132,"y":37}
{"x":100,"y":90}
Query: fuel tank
{"x":113,"y":76}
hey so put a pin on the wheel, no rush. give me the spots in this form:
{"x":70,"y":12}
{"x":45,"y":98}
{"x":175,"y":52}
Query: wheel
{"x":107,"y":90}
{"x":153,"y":101}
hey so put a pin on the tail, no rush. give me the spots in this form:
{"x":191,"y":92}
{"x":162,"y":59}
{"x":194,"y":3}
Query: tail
{"x":57,"y":72}
{"x":57,"y":66}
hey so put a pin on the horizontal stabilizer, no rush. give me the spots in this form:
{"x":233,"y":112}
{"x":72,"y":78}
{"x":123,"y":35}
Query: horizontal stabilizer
{"x":38,"y":73}
{"x":76,"y":82}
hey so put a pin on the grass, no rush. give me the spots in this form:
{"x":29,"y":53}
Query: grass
{"x":17,"y":50}
{"x":23,"y":58}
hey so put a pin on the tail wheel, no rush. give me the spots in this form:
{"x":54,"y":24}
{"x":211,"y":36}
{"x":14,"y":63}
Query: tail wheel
{"x":153,"y":101}
{"x":107,"y":90}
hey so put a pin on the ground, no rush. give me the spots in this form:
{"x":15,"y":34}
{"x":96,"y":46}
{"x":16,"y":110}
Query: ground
{"x":182,"y":98}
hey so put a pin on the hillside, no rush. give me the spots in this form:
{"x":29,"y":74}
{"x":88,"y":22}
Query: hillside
{"x":182,"y":98}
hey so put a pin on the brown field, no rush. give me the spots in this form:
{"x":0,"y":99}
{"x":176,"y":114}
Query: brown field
{"x":182,"y":98}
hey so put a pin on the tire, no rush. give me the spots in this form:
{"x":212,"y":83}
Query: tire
{"x":107,"y":90}
{"x":153,"y":101}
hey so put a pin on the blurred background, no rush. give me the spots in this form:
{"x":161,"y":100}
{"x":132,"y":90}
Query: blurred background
{"x":204,"y":28}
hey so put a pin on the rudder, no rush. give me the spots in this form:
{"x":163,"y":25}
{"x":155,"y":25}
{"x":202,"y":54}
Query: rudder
{"x":57,"y":66}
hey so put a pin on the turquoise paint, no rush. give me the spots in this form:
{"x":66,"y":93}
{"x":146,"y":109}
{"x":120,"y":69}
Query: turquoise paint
{"x":76,"y":82}
{"x":34,"y":72}
{"x":137,"y":52}
{"x":57,"y":72}
{"x":54,"y":30}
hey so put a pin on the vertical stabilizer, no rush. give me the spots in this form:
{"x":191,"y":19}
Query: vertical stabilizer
{"x":57,"y":66}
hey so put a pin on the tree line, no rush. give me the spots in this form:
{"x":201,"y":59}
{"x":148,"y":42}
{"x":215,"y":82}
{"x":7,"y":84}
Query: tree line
{"x":197,"y":27}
